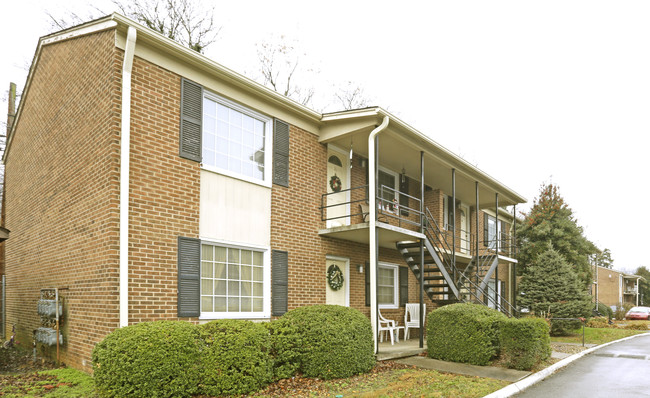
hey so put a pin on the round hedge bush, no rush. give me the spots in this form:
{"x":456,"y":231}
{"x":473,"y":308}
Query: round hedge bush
{"x":324,"y":341}
{"x":236,"y":357}
{"x":464,"y":332}
{"x":150,"y":359}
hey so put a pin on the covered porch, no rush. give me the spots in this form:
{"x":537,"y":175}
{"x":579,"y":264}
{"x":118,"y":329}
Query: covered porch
{"x":390,"y":186}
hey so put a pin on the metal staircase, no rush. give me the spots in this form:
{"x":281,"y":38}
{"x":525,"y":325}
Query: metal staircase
{"x":444,"y":283}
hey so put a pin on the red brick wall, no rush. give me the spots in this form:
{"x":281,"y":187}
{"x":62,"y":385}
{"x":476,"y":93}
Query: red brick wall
{"x":164,"y":193}
{"x":62,"y":176}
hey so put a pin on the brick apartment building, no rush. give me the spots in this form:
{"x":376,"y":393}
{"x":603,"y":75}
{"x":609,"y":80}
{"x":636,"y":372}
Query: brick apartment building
{"x":616,"y":288}
{"x":145,"y":181}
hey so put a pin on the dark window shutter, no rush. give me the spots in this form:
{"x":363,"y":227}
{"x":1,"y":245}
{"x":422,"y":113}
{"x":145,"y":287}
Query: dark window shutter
{"x":403,"y":286}
{"x":189,"y":277}
{"x":191,"y":120}
{"x":403,"y":199}
{"x":280,"y":153}
{"x":367,"y":270}
{"x":279,"y":282}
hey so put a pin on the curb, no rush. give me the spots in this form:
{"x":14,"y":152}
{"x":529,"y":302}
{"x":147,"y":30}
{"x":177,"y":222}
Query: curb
{"x":522,"y":384}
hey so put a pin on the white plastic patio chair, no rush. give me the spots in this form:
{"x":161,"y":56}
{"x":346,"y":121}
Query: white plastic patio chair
{"x":412,"y":318}
{"x":388,"y":325}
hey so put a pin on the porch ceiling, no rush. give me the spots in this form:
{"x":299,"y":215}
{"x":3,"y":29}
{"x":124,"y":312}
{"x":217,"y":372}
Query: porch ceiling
{"x":399,"y":149}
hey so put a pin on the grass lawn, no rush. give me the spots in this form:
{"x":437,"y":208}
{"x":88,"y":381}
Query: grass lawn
{"x":53,"y":383}
{"x":598,"y":335}
{"x":388,"y":379}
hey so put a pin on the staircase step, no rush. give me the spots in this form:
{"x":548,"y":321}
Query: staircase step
{"x":434,"y":278}
{"x":408,"y":245}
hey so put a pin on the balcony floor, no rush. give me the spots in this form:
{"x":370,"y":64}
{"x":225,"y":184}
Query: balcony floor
{"x":389,"y":235}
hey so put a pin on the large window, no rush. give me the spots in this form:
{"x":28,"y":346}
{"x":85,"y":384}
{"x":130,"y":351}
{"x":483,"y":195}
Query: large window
{"x":235,"y":140}
{"x":387,"y":286}
{"x":234,"y":281}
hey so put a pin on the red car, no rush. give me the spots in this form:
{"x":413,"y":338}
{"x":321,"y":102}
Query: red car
{"x":638,"y":313}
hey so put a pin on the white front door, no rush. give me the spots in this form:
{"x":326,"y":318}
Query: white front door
{"x":338,"y":181}
{"x":464,"y":229}
{"x":339,"y":296}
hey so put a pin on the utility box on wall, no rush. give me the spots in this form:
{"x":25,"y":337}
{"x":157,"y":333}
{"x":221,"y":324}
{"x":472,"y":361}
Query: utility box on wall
{"x":50,"y":310}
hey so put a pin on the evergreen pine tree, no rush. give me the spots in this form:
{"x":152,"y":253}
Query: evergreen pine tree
{"x":550,"y":288}
{"x":550,"y":222}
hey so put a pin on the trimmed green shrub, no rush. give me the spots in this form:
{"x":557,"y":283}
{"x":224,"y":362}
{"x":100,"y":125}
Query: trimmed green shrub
{"x":236,"y":357}
{"x":603,"y":310}
{"x":150,"y":359}
{"x":466,"y":333}
{"x":329,"y":341}
{"x":285,"y":342}
{"x":525,"y":342}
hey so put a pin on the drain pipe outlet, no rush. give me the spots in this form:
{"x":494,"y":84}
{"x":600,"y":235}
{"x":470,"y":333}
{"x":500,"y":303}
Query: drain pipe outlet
{"x":372,"y":204}
{"x":125,"y":153}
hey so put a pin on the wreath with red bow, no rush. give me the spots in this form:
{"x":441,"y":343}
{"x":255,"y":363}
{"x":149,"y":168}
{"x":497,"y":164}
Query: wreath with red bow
{"x":335,"y":183}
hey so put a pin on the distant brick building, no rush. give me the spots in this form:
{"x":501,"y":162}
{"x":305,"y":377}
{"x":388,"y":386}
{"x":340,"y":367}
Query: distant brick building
{"x":615,"y":288}
{"x":145,"y":182}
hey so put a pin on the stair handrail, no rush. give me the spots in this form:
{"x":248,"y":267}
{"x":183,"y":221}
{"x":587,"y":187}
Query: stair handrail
{"x":511,"y":310}
{"x":433,"y":232}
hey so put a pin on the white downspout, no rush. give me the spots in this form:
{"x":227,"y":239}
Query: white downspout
{"x":125,"y":146}
{"x":372,"y":204}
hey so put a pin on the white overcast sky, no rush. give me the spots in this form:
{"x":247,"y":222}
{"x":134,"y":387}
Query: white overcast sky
{"x":530,"y":92}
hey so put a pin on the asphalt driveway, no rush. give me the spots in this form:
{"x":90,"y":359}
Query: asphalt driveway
{"x":617,"y":370}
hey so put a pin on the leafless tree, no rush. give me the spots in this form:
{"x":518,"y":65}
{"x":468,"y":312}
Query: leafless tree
{"x":187,"y":22}
{"x":282,"y":71}
{"x":351,"y":96}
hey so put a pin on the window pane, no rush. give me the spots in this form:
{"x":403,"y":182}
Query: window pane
{"x":258,"y":305}
{"x":219,"y":304}
{"x":233,"y":271}
{"x":209,"y":107}
{"x":220,"y":254}
{"x":206,"y":287}
{"x":246,"y":257}
{"x":222,"y":113}
{"x":220,"y":271}
{"x":233,"y":304}
{"x":233,"y":256}
{"x":246,"y":289}
{"x":258,"y":290}
{"x":220,"y":287}
{"x":206,"y":269}
{"x":246,"y":273}
{"x":246,"y":303}
{"x":257,"y":258}
{"x":206,"y":304}
{"x":233,"y":289}
{"x":258,"y":274}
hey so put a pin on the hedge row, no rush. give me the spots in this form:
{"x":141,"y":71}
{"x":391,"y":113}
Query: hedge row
{"x":466,"y":333}
{"x":476,"y":334}
{"x":230,"y":357}
{"x":525,"y":342}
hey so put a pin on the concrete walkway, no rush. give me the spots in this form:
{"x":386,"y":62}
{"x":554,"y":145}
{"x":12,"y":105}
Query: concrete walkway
{"x":492,"y":372}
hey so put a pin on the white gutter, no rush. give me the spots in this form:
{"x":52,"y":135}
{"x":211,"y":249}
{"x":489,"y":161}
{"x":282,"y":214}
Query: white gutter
{"x":125,"y":152}
{"x":372,"y":199}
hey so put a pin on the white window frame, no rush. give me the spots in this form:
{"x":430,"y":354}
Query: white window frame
{"x":395,"y":303}
{"x":268,"y":141}
{"x":266,"y":275}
